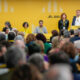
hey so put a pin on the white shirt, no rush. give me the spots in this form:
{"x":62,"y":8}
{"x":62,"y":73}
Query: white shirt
{"x":77,"y":22}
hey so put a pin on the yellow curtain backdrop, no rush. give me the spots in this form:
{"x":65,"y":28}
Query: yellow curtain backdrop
{"x":18,"y":11}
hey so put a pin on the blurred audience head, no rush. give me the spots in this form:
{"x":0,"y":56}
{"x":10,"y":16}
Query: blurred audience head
{"x":15,"y":56}
{"x":55,"y":42}
{"x":69,"y":48}
{"x":41,"y":44}
{"x":33,"y":48}
{"x":11,"y":35}
{"x":26,"y":72}
{"x":58,"y":58}
{"x":19,"y":37}
{"x":41,"y":37}
{"x":30,"y":38}
{"x":59,"y":72}
{"x":71,"y":32}
{"x":21,"y":33}
{"x":54,"y":33}
{"x":20,"y":43}
{"x":37,"y":60}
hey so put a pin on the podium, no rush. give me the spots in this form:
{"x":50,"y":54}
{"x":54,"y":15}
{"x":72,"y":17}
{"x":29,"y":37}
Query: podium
{"x":75,"y":27}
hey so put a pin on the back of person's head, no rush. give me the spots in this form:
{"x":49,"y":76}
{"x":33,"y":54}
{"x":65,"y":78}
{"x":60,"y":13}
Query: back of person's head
{"x":11,"y":35}
{"x":33,"y":48}
{"x":19,"y":37}
{"x":41,"y":37}
{"x":37,"y":60}
{"x":19,"y":43}
{"x":41,"y":44}
{"x":69,"y":49}
{"x":21,"y":33}
{"x":66,"y":34}
{"x":2,"y":37}
{"x":59,"y":72}
{"x":55,"y":42}
{"x":58,"y":58}
{"x":14,"y":57}
{"x":54,"y":33}
{"x":71,"y":32}
{"x":30,"y":38}
{"x":26,"y":72}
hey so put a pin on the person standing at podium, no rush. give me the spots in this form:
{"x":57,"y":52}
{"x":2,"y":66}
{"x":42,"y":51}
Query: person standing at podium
{"x":63,"y":23}
{"x":76,"y":19}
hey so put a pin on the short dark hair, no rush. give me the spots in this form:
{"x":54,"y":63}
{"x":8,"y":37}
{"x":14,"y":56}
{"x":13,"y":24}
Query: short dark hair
{"x":58,"y":57}
{"x":71,"y":32}
{"x":41,"y":37}
{"x":11,"y":36}
{"x":33,"y":48}
{"x":40,"y":21}
{"x":54,"y":33}
{"x":25,"y":23}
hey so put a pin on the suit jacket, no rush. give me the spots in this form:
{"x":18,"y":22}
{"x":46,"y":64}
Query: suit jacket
{"x":73,"y":21}
{"x":61,"y":25}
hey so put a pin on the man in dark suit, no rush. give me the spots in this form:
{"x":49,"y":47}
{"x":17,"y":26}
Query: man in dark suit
{"x":76,"y":19}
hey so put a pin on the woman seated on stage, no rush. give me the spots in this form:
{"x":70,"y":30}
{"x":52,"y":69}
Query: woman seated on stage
{"x":25,"y":28}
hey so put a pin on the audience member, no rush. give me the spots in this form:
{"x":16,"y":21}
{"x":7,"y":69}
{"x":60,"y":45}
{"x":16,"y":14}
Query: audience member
{"x":26,"y":72}
{"x":41,"y":37}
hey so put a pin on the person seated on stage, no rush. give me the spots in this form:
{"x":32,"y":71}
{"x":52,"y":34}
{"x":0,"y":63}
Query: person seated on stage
{"x":40,"y":28}
{"x":63,"y":22}
{"x":7,"y":25}
{"x":25,"y":28}
{"x":76,"y":19}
